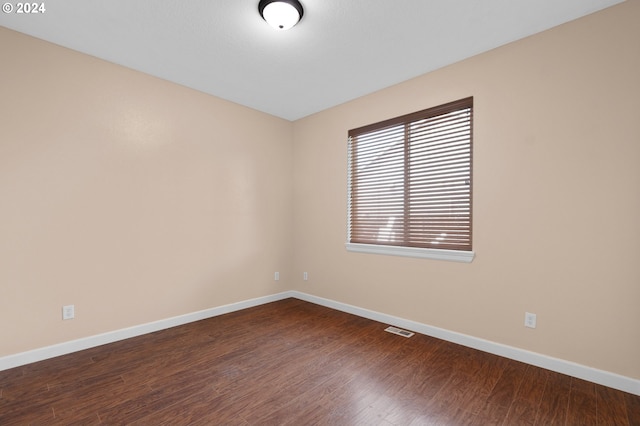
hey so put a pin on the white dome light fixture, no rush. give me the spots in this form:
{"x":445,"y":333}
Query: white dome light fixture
{"x":281,"y":14}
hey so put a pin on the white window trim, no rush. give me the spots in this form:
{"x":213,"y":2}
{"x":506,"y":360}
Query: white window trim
{"x":423,"y":253}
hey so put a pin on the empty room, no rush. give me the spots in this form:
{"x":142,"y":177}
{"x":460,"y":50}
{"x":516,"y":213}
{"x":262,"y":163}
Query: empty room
{"x":261,"y":212}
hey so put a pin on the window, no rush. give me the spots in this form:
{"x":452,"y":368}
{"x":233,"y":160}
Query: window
{"x":410,"y":181}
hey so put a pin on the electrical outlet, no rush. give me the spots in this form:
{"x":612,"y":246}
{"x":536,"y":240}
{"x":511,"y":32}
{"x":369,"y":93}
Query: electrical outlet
{"x":68,"y":312}
{"x":276,"y":276}
{"x":529,"y":320}
{"x":305,"y":276}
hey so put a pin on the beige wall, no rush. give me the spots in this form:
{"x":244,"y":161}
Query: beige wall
{"x":556,"y":198}
{"x":133,"y":198}
{"x":138,"y":200}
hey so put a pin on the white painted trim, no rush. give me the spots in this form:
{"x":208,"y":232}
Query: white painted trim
{"x":423,"y":253}
{"x":605,"y":378}
{"x":47,"y":352}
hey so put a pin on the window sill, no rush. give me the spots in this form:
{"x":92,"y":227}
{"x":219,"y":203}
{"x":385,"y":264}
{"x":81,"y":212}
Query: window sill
{"x":451,"y":255}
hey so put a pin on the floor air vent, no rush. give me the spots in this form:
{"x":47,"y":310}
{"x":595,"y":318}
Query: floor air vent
{"x":399,"y":331}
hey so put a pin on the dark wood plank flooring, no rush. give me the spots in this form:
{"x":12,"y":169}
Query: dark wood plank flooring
{"x":295,"y":363}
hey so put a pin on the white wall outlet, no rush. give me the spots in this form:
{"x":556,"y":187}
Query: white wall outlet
{"x":68,"y":312}
{"x":529,"y":320}
{"x":276,"y":276}
{"x":305,"y":276}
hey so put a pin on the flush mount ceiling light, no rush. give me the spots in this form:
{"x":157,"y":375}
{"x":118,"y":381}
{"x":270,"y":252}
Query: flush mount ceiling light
{"x":281,"y":14}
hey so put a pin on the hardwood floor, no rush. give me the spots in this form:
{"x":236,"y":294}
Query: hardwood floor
{"x":296,"y":363}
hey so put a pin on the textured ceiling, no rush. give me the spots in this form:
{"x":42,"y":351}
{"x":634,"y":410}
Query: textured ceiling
{"x":342,"y":49}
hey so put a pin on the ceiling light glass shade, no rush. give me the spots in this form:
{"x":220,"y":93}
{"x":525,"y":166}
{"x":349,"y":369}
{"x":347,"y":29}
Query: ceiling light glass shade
{"x":281,"y":14}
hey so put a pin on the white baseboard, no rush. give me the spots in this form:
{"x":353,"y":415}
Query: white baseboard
{"x":605,"y":378}
{"x":594,"y":375}
{"x":47,"y":352}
